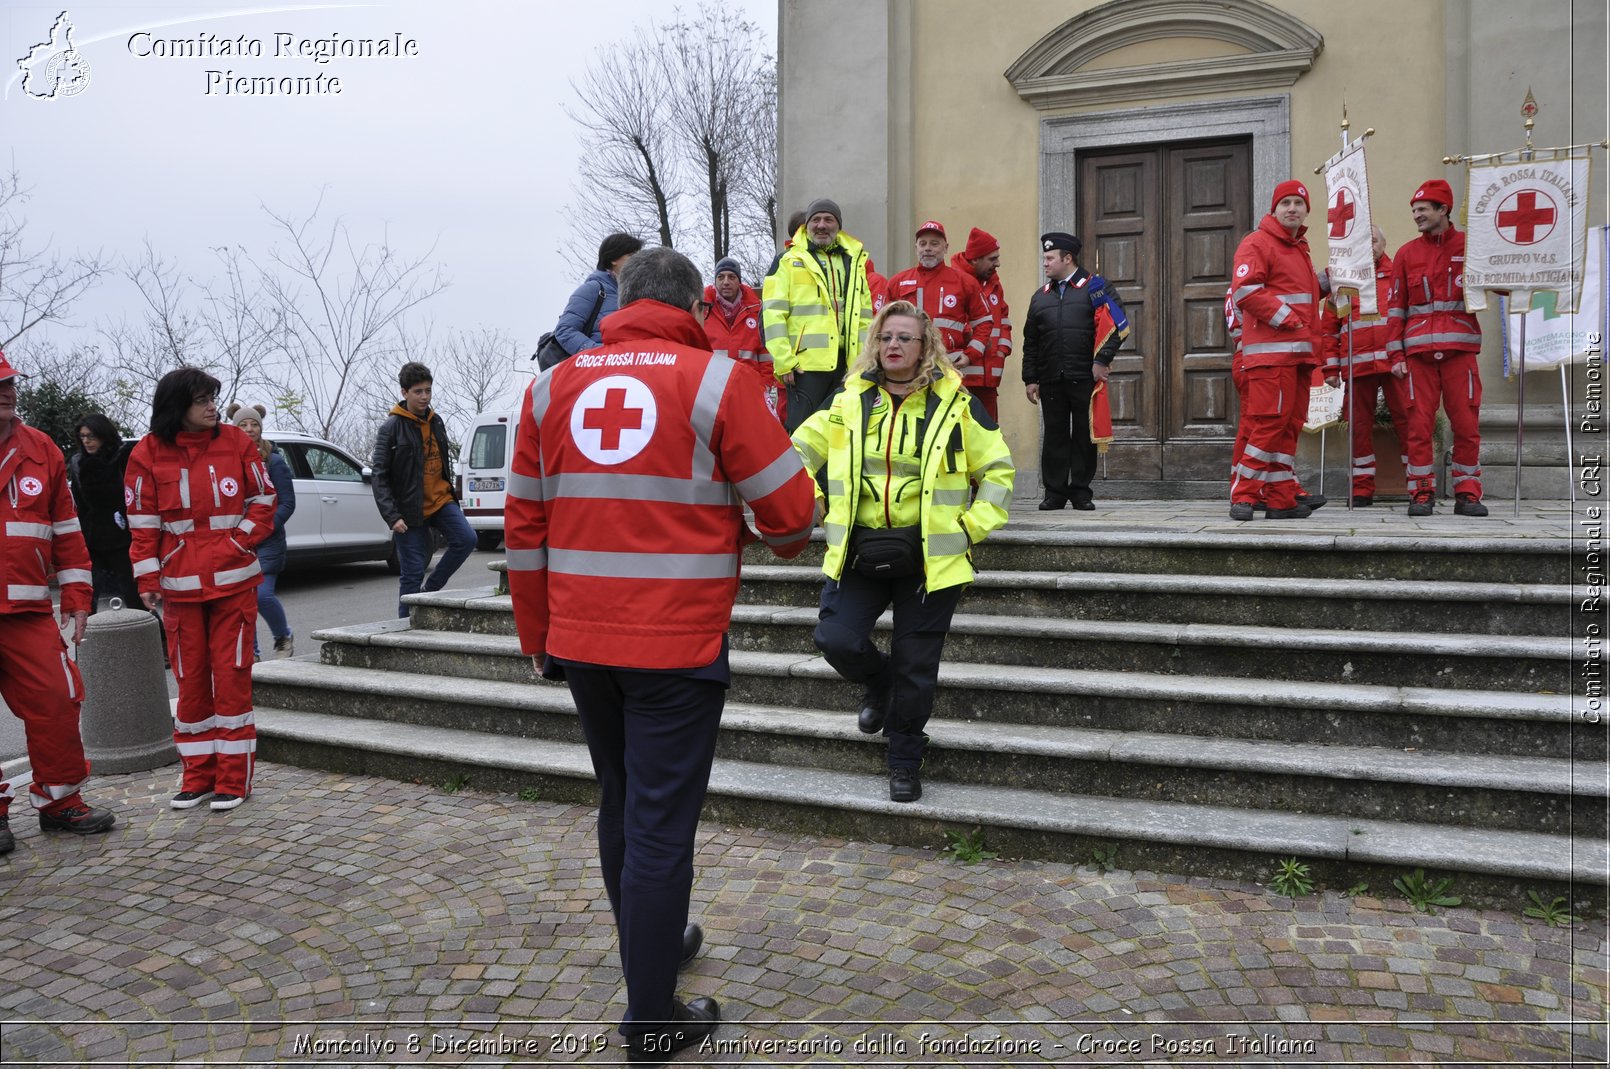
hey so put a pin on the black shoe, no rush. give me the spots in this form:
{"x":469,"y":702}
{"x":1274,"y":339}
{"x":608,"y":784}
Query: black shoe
{"x":1083,"y":506}
{"x":1241,"y":510}
{"x":79,"y":819}
{"x":1260,"y":506}
{"x":8,"y":841}
{"x":223,"y":802}
{"x":1363,"y":501}
{"x":904,"y":785}
{"x":692,"y":940}
{"x":1420,"y":506}
{"x":1313,"y":501}
{"x":874,"y":708}
{"x":188,"y":799}
{"x":1465,"y":505}
{"x":689,"y":1024}
{"x":1052,"y":504}
{"x":1296,"y":512}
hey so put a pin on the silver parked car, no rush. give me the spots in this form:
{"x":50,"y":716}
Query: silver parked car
{"x":335,"y":519}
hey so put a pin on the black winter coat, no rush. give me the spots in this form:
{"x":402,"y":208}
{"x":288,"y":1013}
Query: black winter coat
{"x":97,"y":484}
{"x":399,"y":468}
{"x":1059,"y":334}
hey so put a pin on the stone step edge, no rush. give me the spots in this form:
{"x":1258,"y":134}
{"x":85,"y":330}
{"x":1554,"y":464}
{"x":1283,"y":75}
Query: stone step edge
{"x":1536,"y":775}
{"x":1506,"y":853}
{"x":1263,"y":639}
{"x":1362,"y":697}
{"x":1388,"y":590}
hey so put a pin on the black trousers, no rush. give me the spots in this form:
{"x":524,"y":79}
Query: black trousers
{"x":1067,"y":455}
{"x":810,"y":391}
{"x":112,"y":575}
{"x":851,"y":606}
{"x":652,"y":738}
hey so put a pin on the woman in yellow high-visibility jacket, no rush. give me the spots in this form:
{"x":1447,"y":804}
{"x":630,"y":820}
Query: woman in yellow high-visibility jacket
{"x":902,"y":444}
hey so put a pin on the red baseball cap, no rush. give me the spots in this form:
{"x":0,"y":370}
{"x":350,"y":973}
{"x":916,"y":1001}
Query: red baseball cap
{"x":934,"y":225}
{"x":7,"y":372}
{"x":1437,"y":191}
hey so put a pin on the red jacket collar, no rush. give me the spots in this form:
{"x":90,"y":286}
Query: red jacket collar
{"x":1271,"y":226}
{"x":651,"y":320}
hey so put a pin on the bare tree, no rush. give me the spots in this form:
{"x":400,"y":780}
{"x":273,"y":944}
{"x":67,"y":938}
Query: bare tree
{"x":474,"y":369}
{"x":679,"y":137}
{"x":337,"y":308}
{"x":36,"y":286}
{"x":236,"y":323}
{"x":164,"y":337}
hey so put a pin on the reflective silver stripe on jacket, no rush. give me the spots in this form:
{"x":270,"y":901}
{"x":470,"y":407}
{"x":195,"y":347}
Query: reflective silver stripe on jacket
{"x":1278,"y":347}
{"x":22,"y":529}
{"x":994,"y":494}
{"x":145,"y":567}
{"x":947,"y":544}
{"x":655,"y":565}
{"x":772,"y":477}
{"x":74,"y":575}
{"x":184,"y":487}
{"x":1442,"y":339}
{"x":524,"y":487}
{"x":62,"y":527}
{"x":1246,"y":291}
{"x":525,"y":560}
{"x":706,"y":403}
{"x":950,"y":324}
{"x":179,"y":526}
{"x":21,"y":592}
{"x":786,"y":539}
{"x":950,"y":497}
{"x":181,"y":582}
{"x":611,"y":485}
{"x":145,"y":522}
{"x":235,"y":575}
{"x":224,"y":522}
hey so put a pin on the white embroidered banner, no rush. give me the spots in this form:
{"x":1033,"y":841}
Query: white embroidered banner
{"x":1555,"y":335}
{"x":1526,"y":229}
{"x":1347,"y":215}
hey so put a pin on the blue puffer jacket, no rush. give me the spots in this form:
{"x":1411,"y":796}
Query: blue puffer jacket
{"x":279,"y":472}
{"x":571,"y":329}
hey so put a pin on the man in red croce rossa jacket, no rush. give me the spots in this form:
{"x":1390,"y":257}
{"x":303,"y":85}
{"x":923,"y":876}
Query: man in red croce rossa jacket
{"x":632,"y":464}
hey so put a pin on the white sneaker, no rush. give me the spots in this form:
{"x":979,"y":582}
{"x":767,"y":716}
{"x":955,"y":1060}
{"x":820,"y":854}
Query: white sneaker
{"x":226,"y":801}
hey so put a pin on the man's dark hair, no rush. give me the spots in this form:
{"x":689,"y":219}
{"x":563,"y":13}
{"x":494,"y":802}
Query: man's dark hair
{"x":615,"y":246}
{"x":795,"y":221}
{"x":661,"y":274}
{"x":102,"y":428}
{"x":175,"y":393}
{"x":412,"y":374}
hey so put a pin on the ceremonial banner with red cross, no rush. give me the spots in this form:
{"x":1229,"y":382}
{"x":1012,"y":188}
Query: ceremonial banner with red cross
{"x":1526,"y":231}
{"x":1347,"y":219}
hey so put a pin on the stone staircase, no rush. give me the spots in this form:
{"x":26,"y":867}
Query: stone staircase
{"x":1207,"y":701}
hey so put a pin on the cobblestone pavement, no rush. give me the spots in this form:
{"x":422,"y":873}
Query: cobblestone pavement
{"x":338,"y":920}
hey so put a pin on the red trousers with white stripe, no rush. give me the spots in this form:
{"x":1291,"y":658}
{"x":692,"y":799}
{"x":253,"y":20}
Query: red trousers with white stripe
{"x":1361,"y":424}
{"x":1454,"y":383}
{"x":210,"y":649}
{"x":1267,"y":440}
{"x":42,"y":686}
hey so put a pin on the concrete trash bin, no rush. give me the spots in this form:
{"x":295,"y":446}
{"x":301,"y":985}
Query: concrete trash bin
{"x":126,"y":721}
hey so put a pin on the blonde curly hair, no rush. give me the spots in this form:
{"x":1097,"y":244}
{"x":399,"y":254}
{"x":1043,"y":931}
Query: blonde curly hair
{"x":934,"y":364}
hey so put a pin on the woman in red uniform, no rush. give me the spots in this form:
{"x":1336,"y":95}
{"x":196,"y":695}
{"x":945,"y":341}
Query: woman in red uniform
{"x":199,"y":501}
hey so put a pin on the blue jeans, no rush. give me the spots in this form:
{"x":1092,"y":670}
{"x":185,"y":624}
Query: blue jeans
{"x":272,"y":559}
{"x":413,"y":552}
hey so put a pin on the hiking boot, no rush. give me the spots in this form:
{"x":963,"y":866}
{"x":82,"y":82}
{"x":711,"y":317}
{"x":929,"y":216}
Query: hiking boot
{"x":874,"y":708}
{"x":1420,"y":506}
{"x":8,"y":841}
{"x":1241,"y":510}
{"x":1053,"y":504}
{"x":1296,"y":512}
{"x":226,"y":801}
{"x":285,"y":647}
{"x":1313,"y":501}
{"x":188,"y":799}
{"x":1466,"y":505}
{"x":904,"y":785}
{"x":78,"y":819}
{"x":1363,"y":501}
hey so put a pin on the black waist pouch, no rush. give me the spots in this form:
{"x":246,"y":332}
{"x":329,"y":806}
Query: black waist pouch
{"x":886,"y":552}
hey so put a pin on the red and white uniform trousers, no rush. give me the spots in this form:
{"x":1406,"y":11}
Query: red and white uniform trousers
{"x":210,"y":649}
{"x":41,"y":684}
{"x":1452,"y":381}
{"x":1361,"y":395}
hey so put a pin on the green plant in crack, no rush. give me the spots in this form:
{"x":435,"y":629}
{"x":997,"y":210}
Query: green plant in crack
{"x":1357,"y":889}
{"x":457,"y":783}
{"x":1292,"y":879}
{"x":1105,"y":857}
{"x":530,"y":794}
{"x":1423,"y":894}
{"x":968,"y":848}
{"x":1553,"y":913}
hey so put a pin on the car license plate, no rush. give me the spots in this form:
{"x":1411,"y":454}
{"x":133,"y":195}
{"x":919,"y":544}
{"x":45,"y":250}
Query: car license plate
{"x":486,"y":486}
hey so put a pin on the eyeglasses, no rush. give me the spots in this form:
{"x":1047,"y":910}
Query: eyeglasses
{"x":86,"y":436}
{"x":903,"y":339}
{"x":705,"y":306}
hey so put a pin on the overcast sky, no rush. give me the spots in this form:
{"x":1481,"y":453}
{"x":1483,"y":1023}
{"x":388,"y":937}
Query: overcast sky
{"x":464,"y":145}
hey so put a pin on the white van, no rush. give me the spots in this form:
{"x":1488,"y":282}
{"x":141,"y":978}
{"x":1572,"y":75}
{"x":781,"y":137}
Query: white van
{"x":484,"y":470}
